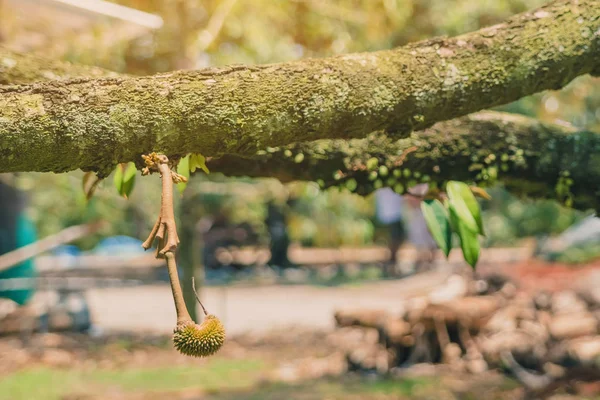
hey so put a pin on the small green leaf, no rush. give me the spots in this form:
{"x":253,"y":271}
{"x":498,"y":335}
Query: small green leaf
{"x":118,"y":178}
{"x":201,"y":162}
{"x":183,"y":169}
{"x":438,"y":224}
{"x":124,"y":178}
{"x":198,"y":161}
{"x":128,"y":180}
{"x":468,"y":239}
{"x":465,"y":205}
{"x":193,"y":162}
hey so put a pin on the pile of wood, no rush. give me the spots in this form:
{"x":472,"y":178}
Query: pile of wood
{"x":545,"y":340}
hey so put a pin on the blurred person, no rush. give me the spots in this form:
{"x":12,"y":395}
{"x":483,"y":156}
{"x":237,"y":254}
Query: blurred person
{"x":389,"y":206}
{"x":418,"y":233}
{"x":276,"y":222}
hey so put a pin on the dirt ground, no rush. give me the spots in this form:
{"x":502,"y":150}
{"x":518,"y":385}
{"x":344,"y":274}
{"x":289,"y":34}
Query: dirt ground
{"x":281,"y":345}
{"x":252,"y":309}
{"x":285,"y":364}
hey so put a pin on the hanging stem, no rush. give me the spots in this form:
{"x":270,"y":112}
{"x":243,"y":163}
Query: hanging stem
{"x":165,"y":229}
{"x":198,"y":297}
{"x":183,"y":316}
{"x":189,"y":338}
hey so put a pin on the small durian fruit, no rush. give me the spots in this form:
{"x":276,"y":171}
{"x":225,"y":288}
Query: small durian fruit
{"x":199,"y":340}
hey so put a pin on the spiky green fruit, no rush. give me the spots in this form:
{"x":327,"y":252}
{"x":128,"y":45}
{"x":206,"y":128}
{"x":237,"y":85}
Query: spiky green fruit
{"x":199,"y":340}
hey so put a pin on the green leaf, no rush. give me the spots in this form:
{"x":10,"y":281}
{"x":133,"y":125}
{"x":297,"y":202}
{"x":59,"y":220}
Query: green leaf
{"x":128,"y":180}
{"x":468,"y":239}
{"x":201,"y":162}
{"x":438,"y":224}
{"x":198,"y":161}
{"x":465,"y":205}
{"x":124,"y":178}
{"x":183,"y":168}
{"x":118,"y":178}
{"x":193,"y":162}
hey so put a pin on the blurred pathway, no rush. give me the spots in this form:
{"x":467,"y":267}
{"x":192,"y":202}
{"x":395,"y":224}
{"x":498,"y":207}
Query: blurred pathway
{"x":255,"y":309}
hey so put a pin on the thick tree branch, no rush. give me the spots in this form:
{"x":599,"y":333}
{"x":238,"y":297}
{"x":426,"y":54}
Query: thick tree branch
{"x":19,"y":69}
{"x":94,"y":123}
{"x":530,"y":158}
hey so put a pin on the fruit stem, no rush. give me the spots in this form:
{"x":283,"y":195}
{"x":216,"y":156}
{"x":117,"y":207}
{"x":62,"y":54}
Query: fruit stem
{"x":182,"y":313}
{"x":165,"y":229}
{"x":198,"y":297}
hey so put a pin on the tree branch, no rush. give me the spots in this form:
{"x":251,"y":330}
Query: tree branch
{"x":20,"y":69}
{"x":93,"y":124}
{"x":528,"y":157}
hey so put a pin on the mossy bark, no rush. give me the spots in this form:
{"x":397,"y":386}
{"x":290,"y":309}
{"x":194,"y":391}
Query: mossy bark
{"x":20,"y":69}
{"x":93,"y":124}
{"x":528,"y":157}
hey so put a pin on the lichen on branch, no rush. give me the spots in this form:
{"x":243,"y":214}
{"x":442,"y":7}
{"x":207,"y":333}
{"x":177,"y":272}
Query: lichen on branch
{"x":93,"y":124}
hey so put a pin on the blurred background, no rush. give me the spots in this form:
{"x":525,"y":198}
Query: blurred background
{"x":324,"y":294}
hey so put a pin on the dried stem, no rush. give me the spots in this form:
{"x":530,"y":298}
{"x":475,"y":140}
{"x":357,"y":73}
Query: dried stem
{"x":198,"y":297}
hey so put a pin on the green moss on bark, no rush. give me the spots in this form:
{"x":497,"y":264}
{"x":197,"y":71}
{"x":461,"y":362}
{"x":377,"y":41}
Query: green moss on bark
{"x":530,"y":158}
{"x":93,"y":124}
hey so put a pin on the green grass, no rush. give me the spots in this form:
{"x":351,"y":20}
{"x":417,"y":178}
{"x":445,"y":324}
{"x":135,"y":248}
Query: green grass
{"x":353,"y":389}
{"x":53,"y":384}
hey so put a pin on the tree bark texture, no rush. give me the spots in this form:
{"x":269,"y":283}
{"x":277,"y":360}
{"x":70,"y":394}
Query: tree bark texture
{"x":93,"y":124}
{"x":20,"y":69}
{"x":530,"y":158}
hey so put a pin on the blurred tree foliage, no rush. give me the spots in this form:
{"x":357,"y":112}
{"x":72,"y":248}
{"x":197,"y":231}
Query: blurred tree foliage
{"x":508,"y":219}
{"x":201,"y":33}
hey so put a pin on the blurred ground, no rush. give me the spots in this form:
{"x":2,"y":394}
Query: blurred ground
{"x":253,"y":309}
{"x":281,"y":346}
{"x":291,"y":364}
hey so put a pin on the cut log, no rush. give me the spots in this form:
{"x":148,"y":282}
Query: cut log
{"x":515,"y":342}
{"x":502,"y":321}
{"x":567,"y":326}
{"x":536,"y":329}
{"x":455,"y":287}
{"x":567,"y":302}
{"x":394,"y":331}
{"x":365,"y":318}
{"x":584,"y":351}
{"x":474,"y":312}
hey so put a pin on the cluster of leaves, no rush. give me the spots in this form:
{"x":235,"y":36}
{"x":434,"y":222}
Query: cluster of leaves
{"x":188,"y":165}
{"x":459,"y":213}
{"x":125,"y":173}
